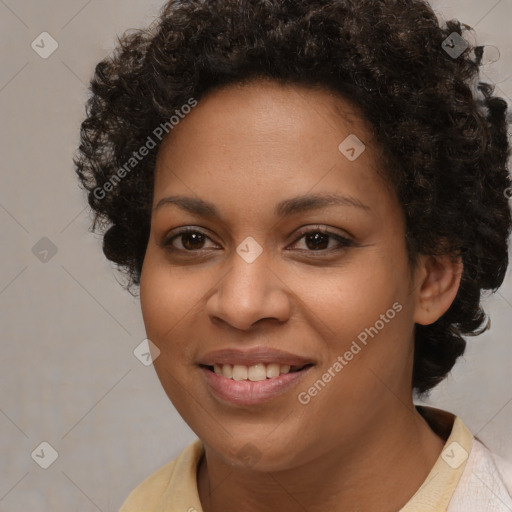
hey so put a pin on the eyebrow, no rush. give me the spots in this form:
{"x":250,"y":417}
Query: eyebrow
{"x":285,"y":208}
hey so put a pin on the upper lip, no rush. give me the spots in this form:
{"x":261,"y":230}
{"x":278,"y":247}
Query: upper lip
{"x":253,"y":356}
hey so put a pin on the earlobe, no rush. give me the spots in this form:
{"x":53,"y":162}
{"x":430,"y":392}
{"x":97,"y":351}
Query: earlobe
{"x":438,"y":281}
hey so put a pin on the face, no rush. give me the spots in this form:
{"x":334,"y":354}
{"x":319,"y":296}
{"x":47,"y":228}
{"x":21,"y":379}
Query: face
{"x":276,"y":283}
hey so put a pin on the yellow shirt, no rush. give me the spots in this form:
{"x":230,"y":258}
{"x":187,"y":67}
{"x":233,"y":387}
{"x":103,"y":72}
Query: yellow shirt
{"x":465,"y":478}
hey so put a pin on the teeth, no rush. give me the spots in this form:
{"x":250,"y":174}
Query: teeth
{"x":239,"y":372}
{"x":273,"y":370}
{"x":285,"y":368}
{"x":257,"y":372}
{"x":253,"y":373}
{"x":227,"y":371}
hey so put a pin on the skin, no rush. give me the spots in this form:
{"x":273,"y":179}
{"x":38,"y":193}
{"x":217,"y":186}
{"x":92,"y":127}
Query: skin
{"x":361,"y":434}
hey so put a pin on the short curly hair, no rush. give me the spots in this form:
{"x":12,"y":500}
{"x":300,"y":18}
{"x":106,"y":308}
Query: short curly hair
{"x":442,"y":132}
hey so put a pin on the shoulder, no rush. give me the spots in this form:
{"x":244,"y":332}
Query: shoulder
{"x":151,"y":488}
{"x":486,"y":483}
{"x":159,"y":491}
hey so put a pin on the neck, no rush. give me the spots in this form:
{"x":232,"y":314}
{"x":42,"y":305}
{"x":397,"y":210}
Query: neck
{"x":381,"y":470}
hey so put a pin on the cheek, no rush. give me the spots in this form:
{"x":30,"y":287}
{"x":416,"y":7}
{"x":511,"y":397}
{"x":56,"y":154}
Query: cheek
{"x":366,"y":315}
{"x":354,"y":300}
{"x":166,"y":293}
{"x":167,"y":299}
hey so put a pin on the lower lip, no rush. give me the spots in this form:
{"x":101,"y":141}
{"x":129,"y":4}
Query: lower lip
{"x":246,"y":392}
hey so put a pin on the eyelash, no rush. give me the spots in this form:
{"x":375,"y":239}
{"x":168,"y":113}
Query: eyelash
{"x":344,"y":242}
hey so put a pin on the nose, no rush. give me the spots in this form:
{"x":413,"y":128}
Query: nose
{"x":249,"y":293}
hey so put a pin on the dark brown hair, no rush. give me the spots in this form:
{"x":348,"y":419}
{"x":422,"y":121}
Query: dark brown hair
{"x":442,"y":132}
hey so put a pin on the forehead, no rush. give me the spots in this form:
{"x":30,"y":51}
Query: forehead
{"x":268,"y":138}
{"x":265,"y":110}
{"x":271,"y":105}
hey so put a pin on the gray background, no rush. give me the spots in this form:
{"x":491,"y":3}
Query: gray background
{"x":69,"y":375}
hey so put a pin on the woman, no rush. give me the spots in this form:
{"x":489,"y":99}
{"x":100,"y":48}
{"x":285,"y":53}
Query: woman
{"x":311,"y":196}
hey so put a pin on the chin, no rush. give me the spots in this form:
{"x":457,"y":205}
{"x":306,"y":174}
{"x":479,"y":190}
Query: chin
{"x":256,"y":454}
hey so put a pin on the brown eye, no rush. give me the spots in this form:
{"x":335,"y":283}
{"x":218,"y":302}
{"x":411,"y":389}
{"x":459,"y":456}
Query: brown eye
{"x":319,"y":240}
{"x":186,"y":240}
{"x":192,"y":241}
{"x":316,"y":241}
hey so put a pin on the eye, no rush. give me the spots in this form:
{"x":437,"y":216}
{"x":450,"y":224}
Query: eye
{"x":319,"y":239}
{"x":189,"y":239}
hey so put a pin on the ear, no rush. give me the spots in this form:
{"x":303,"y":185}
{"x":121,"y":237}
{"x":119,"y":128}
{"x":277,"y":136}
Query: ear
{"x":437,"y":280}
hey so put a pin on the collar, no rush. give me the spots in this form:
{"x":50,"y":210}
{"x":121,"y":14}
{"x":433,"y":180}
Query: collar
{"x":437,"y":490}
{"x":174,"y":487}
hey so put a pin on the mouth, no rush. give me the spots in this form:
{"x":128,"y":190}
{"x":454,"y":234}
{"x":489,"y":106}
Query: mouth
{"x":251,"y":385}
{"x":256,"y":372}
{"x":253,"y":375}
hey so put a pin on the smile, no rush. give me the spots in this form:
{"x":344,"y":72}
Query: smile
{"x":254,"y":373}
{"x":252,"y":385}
